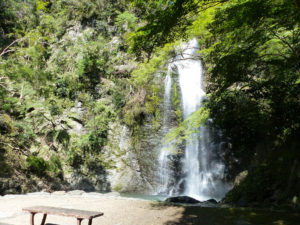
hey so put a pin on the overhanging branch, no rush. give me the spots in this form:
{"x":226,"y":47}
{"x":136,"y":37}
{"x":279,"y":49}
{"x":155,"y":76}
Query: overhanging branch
{"x":7,"y":49}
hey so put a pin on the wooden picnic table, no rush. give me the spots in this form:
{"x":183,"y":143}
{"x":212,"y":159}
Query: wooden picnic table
{"x":78,"y":214}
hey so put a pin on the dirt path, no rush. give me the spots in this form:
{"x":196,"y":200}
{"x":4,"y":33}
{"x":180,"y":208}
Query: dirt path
{"x":126,"y":211}
{"x":117,"y":210}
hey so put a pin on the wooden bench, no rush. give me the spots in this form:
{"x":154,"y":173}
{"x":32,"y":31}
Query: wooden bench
{"x":78,"y":214}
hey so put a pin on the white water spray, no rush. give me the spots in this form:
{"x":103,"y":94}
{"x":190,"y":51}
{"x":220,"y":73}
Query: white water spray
{"x":203,"y":171}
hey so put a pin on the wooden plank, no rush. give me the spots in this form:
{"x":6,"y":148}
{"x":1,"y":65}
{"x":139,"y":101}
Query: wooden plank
{"x":81,"y":214}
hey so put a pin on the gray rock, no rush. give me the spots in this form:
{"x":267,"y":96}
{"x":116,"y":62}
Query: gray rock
{"x":76,"y":192}
{"x":182,"y":199}
{"x":213,"y":201}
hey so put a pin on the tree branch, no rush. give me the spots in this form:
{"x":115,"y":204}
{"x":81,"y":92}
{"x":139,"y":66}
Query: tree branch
{"x":6,"y":50}
{"x":282,"y":40}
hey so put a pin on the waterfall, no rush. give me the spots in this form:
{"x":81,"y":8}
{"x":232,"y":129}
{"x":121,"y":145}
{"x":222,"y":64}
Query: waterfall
{"x":163,"y":158}
{"x":202,"y":169}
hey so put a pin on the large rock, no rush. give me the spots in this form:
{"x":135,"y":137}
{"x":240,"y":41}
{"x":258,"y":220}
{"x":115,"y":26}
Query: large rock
{"x":126,"y":174}
{"x":182,"y":199}
{"x":212,"y":201}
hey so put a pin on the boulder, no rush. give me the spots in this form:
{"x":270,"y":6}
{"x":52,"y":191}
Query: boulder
{"x":213,"y":201}
{"x":182,"y":199}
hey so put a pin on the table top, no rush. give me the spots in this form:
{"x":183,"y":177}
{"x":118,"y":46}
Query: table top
{"x":63,"y":212}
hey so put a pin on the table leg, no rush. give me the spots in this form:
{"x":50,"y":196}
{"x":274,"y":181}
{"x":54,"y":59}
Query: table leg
{"x":44,"y":219}
{"x":32,"y":214}
{"x":79,"y":221}
{"x":90,"y":221}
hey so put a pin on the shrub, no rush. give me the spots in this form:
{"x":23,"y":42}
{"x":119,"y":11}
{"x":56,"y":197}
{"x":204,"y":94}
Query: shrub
{"x":37,"y":165}
{"x":55,"y":167}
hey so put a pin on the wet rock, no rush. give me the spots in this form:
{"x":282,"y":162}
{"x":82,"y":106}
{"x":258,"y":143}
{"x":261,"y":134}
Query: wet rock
{"x":182,"y":199}
{"x":213,"y":201}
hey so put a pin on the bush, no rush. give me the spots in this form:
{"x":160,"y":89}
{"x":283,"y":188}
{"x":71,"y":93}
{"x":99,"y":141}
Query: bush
{"x":5,"y":124}
{"x":37,"y":165}
{"x":55,"y":167}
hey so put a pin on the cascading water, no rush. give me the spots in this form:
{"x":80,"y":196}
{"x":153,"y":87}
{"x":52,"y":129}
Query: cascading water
{"x":163,"y":158}
{"x":203,"y":171}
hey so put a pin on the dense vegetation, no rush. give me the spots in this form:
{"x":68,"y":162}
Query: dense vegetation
{"x":60,"y":59}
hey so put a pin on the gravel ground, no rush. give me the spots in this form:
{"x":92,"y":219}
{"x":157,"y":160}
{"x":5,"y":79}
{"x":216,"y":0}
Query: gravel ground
{"x":128,"y":211}
{"x":117,"y":210}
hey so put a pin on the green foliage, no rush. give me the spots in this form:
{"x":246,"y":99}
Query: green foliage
{"x":188,"y":127}
{"x":164,"y":24}
{"x":60,"y":51}
{"x":37,"y":165}
{"x":253,"y":71}
{"x":6,"y":170}
{"x":176,"y":102}
{"x":63,"y":137}
{"x":24,"y":135}
{"x":145,"y":71}
{"x":5,"y":124}
{"x":126,"y":21}
{"x":55,"y":167}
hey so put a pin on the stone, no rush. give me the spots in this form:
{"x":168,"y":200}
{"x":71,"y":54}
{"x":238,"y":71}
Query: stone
{"x":213,"y":201}
{"x":76,"y":192}
{"x":182,"y":199}
{"x":58,"y":193}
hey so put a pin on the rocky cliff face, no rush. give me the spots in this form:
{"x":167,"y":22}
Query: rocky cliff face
{"x":135,"y":154}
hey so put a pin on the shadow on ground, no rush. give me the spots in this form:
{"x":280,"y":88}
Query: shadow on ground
{"x":231,"y":216}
